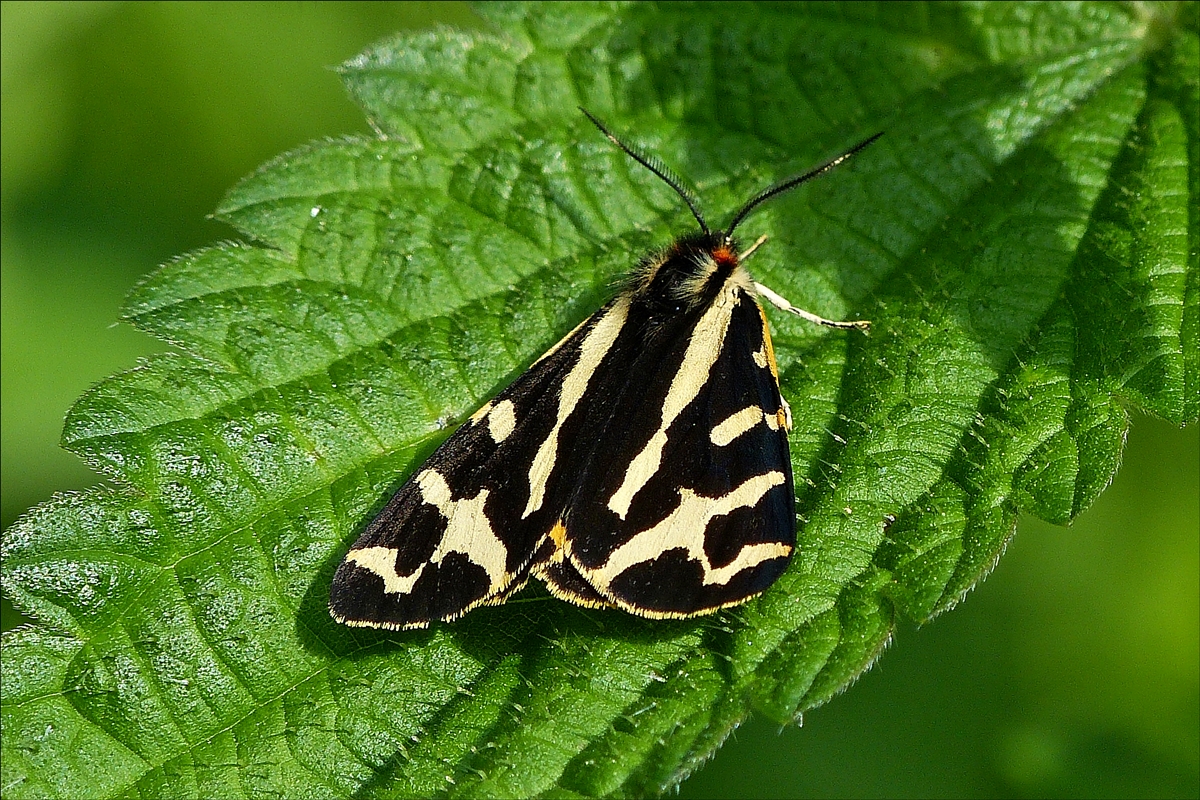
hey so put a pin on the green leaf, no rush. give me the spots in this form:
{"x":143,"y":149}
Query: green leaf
{"x":1024,"y":239}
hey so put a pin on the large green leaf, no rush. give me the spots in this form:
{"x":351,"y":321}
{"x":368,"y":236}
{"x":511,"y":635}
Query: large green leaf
{"x":1024,"y":239}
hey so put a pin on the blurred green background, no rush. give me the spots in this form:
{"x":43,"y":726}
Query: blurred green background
{"x":1074,"y":671}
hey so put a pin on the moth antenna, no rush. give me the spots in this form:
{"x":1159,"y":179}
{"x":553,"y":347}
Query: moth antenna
{"x":792,"y":183}
{"x":654,"y":165}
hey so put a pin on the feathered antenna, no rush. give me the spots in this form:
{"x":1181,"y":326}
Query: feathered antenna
{"x":654,"y":165}
{"x":792,"y":183}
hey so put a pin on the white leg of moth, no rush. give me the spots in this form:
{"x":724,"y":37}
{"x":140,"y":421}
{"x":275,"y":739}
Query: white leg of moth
{"x":750,"y":250}
{"x":783,"y":305}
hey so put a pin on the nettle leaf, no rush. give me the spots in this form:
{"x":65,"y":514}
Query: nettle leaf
{"x":1024,"y":239}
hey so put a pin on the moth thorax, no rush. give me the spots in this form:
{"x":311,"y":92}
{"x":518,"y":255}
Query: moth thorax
{"x":689,"y":273}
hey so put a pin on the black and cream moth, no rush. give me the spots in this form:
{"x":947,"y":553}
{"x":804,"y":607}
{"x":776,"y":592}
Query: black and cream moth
{"x":642,"y":463}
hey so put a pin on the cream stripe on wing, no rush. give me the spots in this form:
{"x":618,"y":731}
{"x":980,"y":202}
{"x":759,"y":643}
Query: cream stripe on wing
{"x":382,"y":561}
{"x":595,"y":345}
{"x":468,"y":532}
{"x":684,"y":529}
{"x":736,"y":424}
{"x":502,"y":421}
{"x":693,"y":372}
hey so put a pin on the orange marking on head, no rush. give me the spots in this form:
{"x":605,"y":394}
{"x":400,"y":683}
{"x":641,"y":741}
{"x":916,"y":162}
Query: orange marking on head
{"x":724,"y":256}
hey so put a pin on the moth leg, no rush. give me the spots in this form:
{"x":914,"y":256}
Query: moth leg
{"x":750,"y":250}
{"x":783,"y":305}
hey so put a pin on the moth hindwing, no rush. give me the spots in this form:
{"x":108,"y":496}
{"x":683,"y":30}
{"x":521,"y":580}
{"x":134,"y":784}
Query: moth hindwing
{"x":642,"y":463}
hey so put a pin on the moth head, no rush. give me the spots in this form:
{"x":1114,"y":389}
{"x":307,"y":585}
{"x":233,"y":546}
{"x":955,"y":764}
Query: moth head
{"x":689,"y":273}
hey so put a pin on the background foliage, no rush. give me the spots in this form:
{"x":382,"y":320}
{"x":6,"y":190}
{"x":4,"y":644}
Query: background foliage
{"x":1058,"y":709}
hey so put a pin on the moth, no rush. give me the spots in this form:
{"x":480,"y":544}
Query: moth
{"x":641,"y":463}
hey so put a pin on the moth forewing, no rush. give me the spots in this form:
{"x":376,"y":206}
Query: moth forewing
{"x":456,"y":536}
